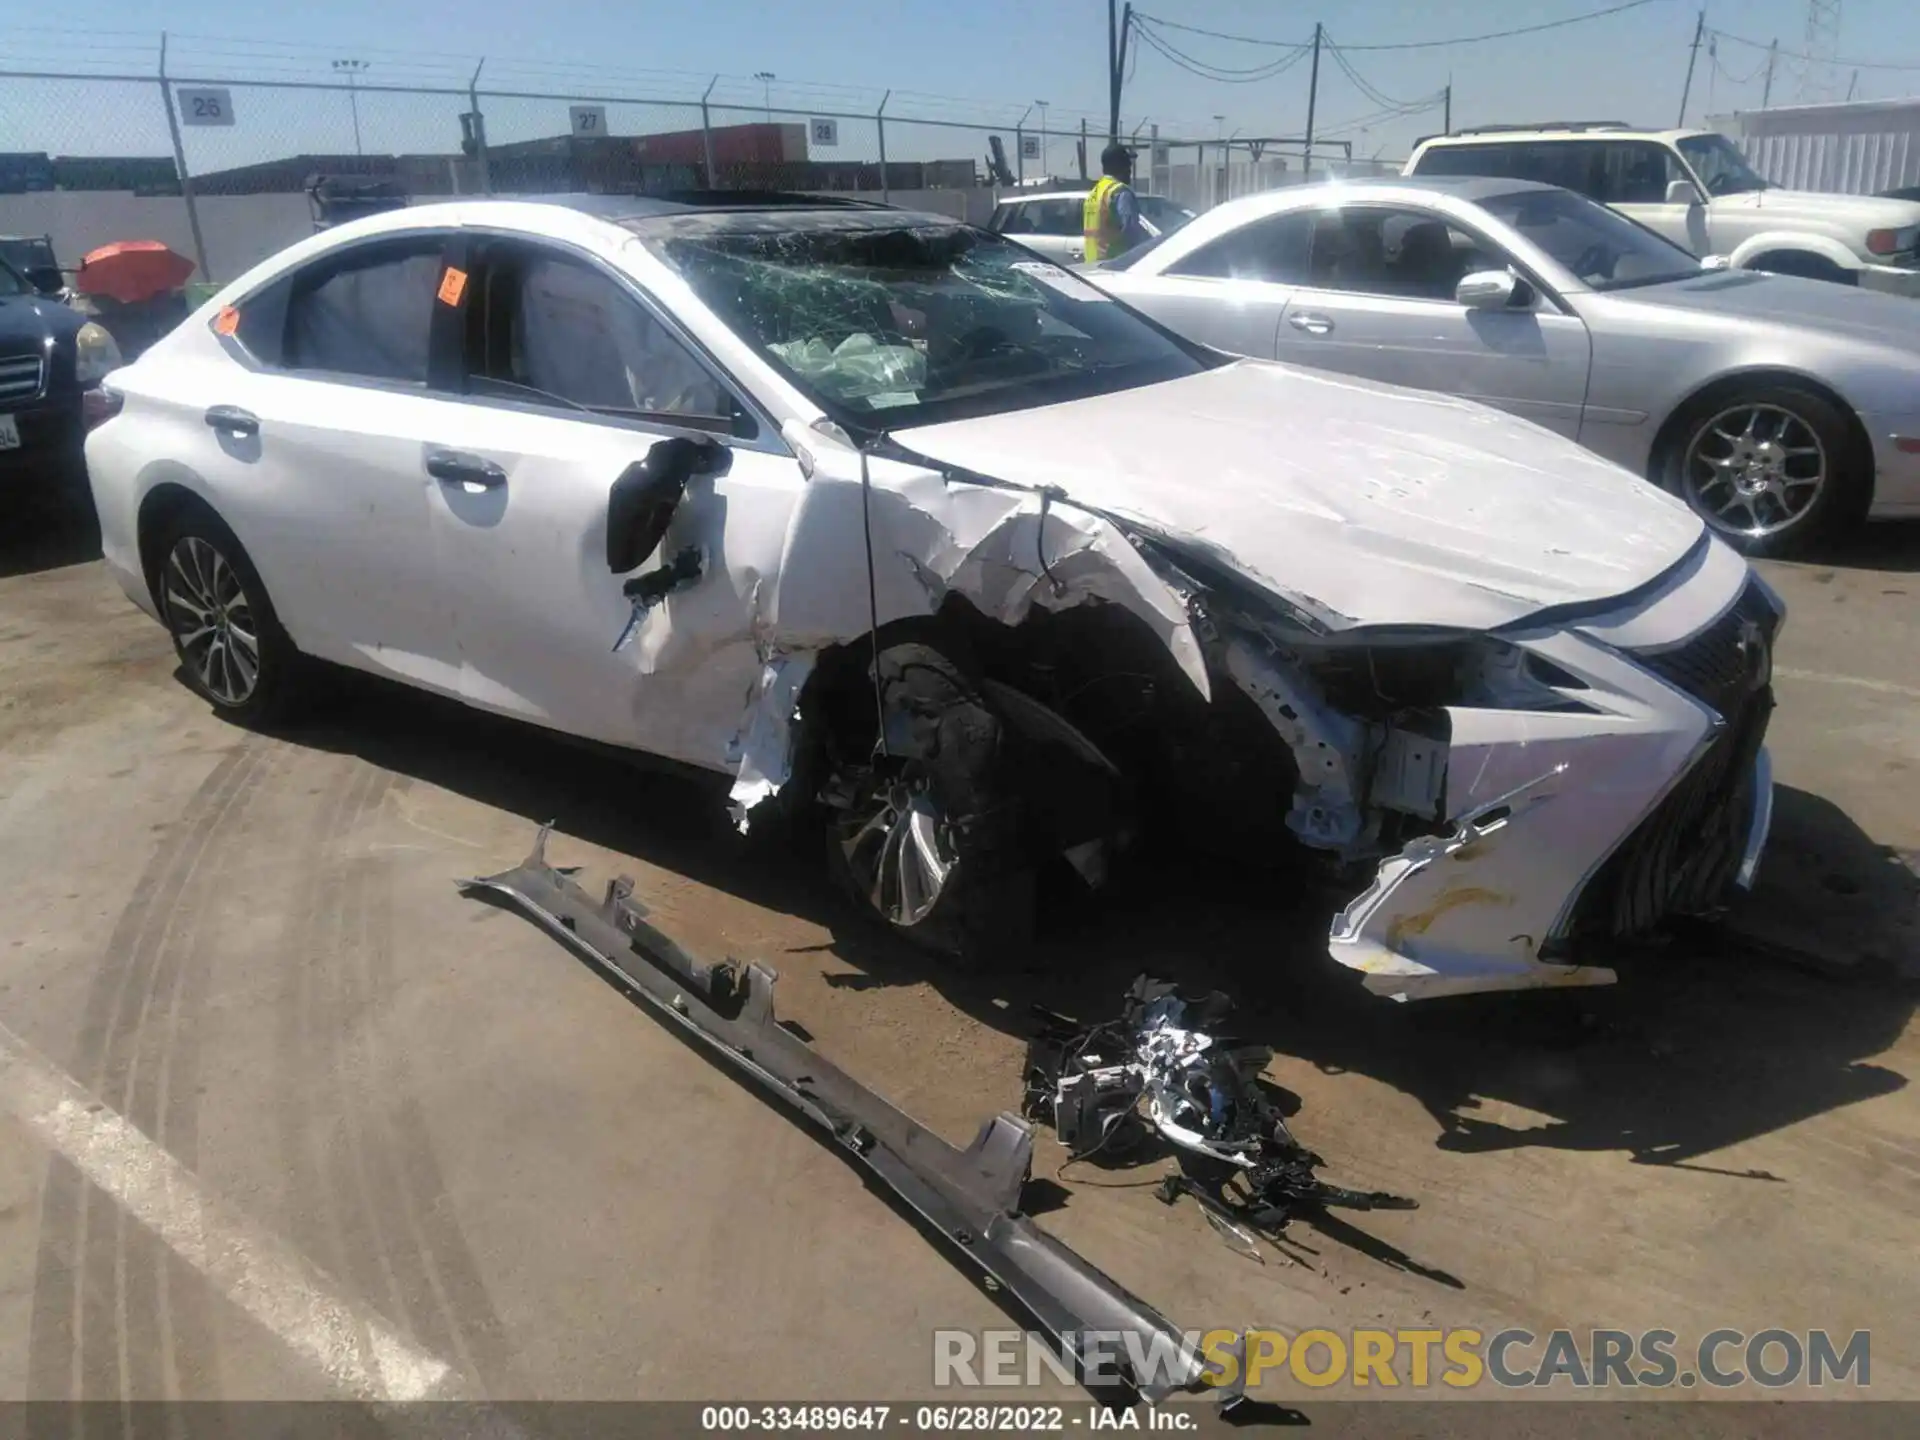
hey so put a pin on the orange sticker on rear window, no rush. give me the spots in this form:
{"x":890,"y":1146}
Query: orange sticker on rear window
{"x":227,"y":322}
{"x":453,"y":285}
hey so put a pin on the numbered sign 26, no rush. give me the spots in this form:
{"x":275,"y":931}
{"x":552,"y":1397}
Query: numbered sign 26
{"x":588,"y":120}
{"x":206,"y":107}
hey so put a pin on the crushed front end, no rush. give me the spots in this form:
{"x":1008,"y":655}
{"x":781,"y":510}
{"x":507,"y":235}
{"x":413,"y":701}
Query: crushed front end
{"x":1524,"y":796}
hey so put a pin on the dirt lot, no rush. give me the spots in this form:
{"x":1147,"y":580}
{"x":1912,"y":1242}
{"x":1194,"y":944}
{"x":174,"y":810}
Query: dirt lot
{"x":414,"y":1148}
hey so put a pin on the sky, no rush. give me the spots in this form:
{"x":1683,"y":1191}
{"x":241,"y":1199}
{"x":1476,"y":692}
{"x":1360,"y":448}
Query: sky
{"x":984,"y":61}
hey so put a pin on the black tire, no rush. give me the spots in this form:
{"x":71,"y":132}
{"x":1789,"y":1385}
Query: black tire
{"x":1787,"y":522}
{"x":944,"y":800}
{"x":213,"y":603}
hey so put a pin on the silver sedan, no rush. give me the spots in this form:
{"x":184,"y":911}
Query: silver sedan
{"x":1782,"y":409}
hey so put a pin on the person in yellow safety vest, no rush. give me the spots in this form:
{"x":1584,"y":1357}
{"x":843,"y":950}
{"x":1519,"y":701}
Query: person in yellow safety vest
{"x":1110,"y":218}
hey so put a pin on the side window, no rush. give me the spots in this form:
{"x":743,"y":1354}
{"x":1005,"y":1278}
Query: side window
{"x":1381,"y":250}
{"x":1019,"y":220}
{"x":1059,"y":217}
{"x":1501,"y":161}
{"x":1637,"y":172}
{"x":1006,"y":220}
{"x":549,"y":327}
{"x":369,"y":314}
{"x":1274,"y":249}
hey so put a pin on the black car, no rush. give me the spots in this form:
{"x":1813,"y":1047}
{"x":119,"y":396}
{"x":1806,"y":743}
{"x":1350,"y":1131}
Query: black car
{"x":52,"y":360}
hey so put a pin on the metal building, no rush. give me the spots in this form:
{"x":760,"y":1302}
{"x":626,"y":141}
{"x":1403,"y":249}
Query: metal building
{"x":1860,"y":148}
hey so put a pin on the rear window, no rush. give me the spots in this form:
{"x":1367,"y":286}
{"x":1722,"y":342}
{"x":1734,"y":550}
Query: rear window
{"x":370,"y":314}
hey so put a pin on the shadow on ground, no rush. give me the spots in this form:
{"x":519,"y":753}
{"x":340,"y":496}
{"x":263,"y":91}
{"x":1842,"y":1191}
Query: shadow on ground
{"x":1892,"y":545}
{"x":1705,"y":1043}
{"x":50,"y":525}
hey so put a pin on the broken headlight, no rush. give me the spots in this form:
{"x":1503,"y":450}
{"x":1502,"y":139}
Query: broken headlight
{"x":1379,"y":675}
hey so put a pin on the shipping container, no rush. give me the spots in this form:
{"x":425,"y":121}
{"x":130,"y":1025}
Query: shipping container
{"x":1862,"y":148}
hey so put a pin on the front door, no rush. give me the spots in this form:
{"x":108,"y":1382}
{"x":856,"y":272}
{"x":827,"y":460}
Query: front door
{"x":1380,"y":304}
{"x":1231,"y":292}
{"x":571,"y":378}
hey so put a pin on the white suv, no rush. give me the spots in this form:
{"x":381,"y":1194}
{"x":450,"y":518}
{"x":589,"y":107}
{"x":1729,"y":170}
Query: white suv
{"x":1695,"y":188}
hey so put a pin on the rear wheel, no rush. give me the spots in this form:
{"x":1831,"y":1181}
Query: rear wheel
{"x":230,"y":644}
{"x":1772,"y":468}
{"x":925,"y":831}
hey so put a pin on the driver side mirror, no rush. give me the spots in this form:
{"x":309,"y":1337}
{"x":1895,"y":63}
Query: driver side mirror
{"x":1681,"y":192}
{"x":641,"y":502}
{"x":1493,"y":290}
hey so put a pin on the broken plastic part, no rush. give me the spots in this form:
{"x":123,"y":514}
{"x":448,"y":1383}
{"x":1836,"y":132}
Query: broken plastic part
{"x":1162,"y":1062}
{"x":971,"y":1196}
{"x":763,"y":750}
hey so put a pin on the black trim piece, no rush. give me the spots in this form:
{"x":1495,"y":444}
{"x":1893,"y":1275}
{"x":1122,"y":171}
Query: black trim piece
{"x":971,"y":1196}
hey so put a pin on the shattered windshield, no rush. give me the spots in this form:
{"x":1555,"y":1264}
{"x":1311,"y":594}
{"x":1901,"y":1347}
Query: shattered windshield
{"x":901,"y":320}
{"x":1720,"y":165}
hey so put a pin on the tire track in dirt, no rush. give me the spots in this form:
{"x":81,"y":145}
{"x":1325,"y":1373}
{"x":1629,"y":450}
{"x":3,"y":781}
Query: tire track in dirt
{"x":114,"y":1314}
{"x":386,"y":1224}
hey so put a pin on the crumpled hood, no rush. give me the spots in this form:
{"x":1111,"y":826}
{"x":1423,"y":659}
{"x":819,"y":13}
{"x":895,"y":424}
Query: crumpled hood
{"x":1366,"y":503}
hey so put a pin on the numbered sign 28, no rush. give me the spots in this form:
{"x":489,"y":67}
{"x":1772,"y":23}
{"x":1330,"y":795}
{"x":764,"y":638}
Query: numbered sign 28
{"x":206,"y":107}
{"x":824,"y":133}
{"x":588,"y":120}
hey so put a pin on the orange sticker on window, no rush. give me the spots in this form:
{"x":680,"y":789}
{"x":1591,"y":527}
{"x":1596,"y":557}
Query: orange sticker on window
{"x":227,"y":322}
{"x":453,"y":285}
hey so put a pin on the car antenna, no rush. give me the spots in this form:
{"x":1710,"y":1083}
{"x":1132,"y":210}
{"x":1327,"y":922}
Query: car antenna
{"x":873,"y":599}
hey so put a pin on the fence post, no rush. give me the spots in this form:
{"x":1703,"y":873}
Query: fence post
{"x":706,"y":134}
{"x":180,"y":164}
{"x":480,"y":129}
{"x":880,"y":124}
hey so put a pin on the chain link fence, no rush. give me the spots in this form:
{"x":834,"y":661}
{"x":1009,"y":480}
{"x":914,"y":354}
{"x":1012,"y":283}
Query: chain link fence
{"x":219,"y":169}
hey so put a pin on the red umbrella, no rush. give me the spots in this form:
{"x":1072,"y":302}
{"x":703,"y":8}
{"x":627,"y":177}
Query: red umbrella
{"x":132,"y":270}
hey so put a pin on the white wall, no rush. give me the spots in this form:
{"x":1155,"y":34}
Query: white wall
{"x":240,"y":230}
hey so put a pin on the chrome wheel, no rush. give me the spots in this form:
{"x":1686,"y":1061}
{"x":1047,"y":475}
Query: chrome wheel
{"x":1754,"y":470}
{"x":212,"y":621}
{"x":899,"y":850}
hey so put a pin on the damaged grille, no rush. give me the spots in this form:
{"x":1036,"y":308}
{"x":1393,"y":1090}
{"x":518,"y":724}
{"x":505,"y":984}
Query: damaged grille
{"x":1683,"y":856}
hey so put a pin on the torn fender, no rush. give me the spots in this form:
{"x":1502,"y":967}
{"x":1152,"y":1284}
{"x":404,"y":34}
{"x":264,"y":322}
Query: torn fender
{"x":1004,"y":550}
{"x":971,"y":1197}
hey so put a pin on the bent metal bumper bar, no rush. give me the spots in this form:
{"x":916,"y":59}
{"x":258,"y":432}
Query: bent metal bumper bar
{"x":971,"y":1196}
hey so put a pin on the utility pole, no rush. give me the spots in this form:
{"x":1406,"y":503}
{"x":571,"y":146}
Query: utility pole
{"x":1853,"y":84}
{"x":1699,"y":29}
{"x":1313,"y":99}
{"x":1117,"y":33}
{"x":1448,"y":103}
{"x":1766,"y":91}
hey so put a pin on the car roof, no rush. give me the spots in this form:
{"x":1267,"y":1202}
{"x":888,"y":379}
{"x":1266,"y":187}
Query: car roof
{"x":691,"y":202}
{"x":1506,"y":134}
{"x":1465,"y":187}
{"x":1047,"y":195}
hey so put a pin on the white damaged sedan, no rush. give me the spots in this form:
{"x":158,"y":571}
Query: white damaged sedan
{"x":920,"y":538}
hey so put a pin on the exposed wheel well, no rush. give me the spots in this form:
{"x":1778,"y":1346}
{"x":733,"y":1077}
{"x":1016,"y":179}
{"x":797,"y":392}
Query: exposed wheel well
{"x":1673,"y":429}
{"x":1804,"y":263}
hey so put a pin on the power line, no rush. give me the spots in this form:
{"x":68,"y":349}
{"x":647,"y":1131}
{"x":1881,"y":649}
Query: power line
{"x":1221,"y":73}
{"x":1414,"y":44}
{"x":1821,"y":59}
{"x":1361,"y":84}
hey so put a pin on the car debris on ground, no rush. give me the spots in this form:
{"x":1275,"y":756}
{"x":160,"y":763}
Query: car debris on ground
{"x":1165,"y":1068}
{"x":971,"y":1197}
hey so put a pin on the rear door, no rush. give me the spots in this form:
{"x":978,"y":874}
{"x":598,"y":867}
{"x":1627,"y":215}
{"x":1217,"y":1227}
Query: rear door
{"x":572,"y":375}
{"x":309,"y":444}
{"x":1231,"y":292}
{"x":1380,"y":304}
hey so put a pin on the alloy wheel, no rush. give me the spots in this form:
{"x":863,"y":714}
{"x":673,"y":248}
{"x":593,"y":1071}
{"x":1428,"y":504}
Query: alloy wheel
{"x":898,"y":849}
{"x":1754,"y":470}
{"x":212,"y":621}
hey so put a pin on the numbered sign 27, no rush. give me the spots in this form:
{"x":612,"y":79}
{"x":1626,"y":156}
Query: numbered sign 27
{"x":206,"y":107}
{"x":588,"y":120}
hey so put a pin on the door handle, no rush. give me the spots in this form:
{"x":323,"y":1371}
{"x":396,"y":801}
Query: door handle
{"x":1311,"y":322}
{"x":458,"y":467}
{"x":232,"y":420}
